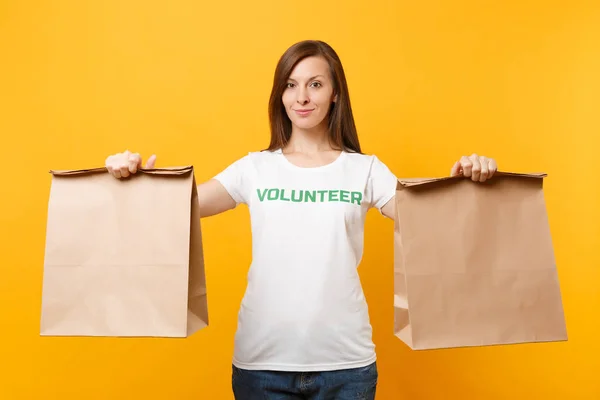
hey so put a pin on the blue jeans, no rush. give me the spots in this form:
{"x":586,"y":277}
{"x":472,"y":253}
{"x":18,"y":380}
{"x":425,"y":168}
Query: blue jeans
{"x":346,"y":384}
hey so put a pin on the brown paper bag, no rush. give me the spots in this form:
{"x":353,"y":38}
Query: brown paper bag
{"x":474,"y":263}
{"x":123,"y":257}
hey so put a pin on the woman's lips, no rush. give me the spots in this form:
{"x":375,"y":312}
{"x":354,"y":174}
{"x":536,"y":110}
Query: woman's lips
{"x":303,"y":112}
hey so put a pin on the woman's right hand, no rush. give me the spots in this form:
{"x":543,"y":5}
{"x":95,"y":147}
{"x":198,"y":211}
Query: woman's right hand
{"x":121,"y":165}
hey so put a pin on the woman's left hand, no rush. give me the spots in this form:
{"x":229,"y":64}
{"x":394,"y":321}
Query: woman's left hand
{"x":478,"y":168}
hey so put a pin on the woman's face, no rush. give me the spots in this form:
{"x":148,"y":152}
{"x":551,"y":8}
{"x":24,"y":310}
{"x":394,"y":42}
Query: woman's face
{"x":309,"y":93}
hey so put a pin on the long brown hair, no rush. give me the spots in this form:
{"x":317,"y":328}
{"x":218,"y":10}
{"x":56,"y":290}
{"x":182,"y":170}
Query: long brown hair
{"x":342,"y":130}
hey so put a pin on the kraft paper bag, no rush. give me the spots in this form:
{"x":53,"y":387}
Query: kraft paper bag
{"x":123,"y":257}
{"x":474,"y":263}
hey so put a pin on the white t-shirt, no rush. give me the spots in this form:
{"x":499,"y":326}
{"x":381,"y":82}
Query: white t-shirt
{"x":304,"y":307}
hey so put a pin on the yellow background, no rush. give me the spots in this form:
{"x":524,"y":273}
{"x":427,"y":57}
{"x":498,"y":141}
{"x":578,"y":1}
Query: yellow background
{"x":189,"y":80}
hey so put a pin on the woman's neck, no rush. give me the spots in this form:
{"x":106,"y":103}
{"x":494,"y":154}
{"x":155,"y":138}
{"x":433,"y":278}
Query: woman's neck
{"x":309,"y":141}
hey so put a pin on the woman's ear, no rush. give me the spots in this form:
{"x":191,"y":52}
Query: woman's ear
{"x":335,"y":98}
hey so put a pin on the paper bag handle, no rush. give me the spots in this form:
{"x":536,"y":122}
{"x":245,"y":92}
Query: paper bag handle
{"x":422,"y":181}
{"x":153,"y":171}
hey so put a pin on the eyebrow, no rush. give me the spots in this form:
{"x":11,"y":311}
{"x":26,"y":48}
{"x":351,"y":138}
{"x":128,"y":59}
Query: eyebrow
{"x":310,"y":79}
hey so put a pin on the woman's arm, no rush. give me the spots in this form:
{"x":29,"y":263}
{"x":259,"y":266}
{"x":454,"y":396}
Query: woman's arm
{"x":212,"y":195}
{"x":389,"y":210}
{"x":477,"y":168}
{"x":214,"y":199}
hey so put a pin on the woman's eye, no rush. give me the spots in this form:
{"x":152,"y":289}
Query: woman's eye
{"x":316,"y":84}
{"x":289,"y":85}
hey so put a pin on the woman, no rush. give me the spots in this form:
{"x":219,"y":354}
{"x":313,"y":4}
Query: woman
{"x":303,"y":325}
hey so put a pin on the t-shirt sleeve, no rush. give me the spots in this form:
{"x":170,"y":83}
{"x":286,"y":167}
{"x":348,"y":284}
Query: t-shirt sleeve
{"x":235,"y":178}
{"x":382,"y":184}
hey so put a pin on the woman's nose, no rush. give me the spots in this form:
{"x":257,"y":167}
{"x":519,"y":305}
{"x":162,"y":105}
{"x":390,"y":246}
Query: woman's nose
{"x":302,"y":97}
